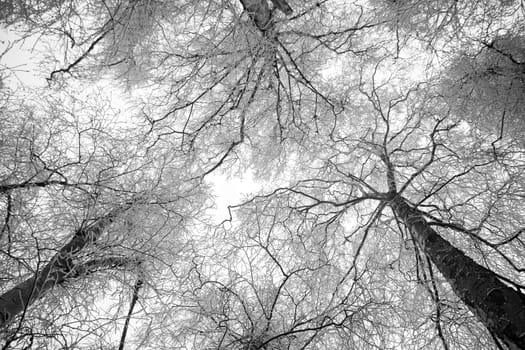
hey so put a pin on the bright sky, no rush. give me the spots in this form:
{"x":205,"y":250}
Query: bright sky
{"x":20,"y":68}
{"x":17,"y":60}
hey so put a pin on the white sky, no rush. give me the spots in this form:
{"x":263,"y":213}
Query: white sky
{"x":19,"y":69}
{"x":17,"y":60}
{"x":229,"y":190}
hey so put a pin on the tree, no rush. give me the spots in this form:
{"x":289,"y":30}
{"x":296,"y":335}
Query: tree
{"x":479,"y":48}
{"x":377,"y":176}
{"x":265,"y":285}
{"x":486,"y":85}
{"x":414,"y":161}
{"x":82,"y":203}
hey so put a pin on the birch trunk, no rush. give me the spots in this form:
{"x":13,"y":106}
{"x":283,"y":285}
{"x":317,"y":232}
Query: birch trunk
{"x":17,"y":299}
{"x":500,"y":308}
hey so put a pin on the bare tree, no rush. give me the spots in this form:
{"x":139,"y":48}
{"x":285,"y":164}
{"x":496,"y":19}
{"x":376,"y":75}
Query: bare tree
{"x":82,"y":201}
{"x":477,"y":46}
{"x":486,"y":85}
{"x":265,"y":285}
{"x":439,"y":181}
{"x":394,"y":220}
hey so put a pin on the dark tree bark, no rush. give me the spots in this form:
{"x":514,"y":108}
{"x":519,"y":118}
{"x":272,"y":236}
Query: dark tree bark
{"x":283,"y":6}
{"x":134,"y":299}
{"x":260,"y":12}
{"x":500,"y":308}
{"x":59,"y":269}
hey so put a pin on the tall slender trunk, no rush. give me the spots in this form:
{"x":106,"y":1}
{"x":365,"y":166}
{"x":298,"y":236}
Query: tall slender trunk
{"x":61,"y":267}
{"x":500,"y":308}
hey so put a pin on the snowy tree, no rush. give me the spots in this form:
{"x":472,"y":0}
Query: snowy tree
{"x":385,"y":136}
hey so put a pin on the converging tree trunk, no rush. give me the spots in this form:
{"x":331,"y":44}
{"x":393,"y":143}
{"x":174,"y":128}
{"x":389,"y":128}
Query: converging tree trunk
{"x":500,"y":308}
{"x":60,"y":268}
{"x":261,"y":13}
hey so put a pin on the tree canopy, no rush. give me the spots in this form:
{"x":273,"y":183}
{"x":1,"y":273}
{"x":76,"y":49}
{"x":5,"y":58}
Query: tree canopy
{"x":385,"y":144}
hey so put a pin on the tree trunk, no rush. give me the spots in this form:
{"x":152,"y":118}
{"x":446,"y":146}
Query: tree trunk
{"x":17,"y":299}
{"x":283,"y":6}
{"x":259,"y":11}
{"x":500,"y":308}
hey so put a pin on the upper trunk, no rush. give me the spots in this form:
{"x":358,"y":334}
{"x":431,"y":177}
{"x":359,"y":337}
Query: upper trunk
{"x":55,"y":272}
{"x":500,"y":308}
{"x":261,"y":13}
